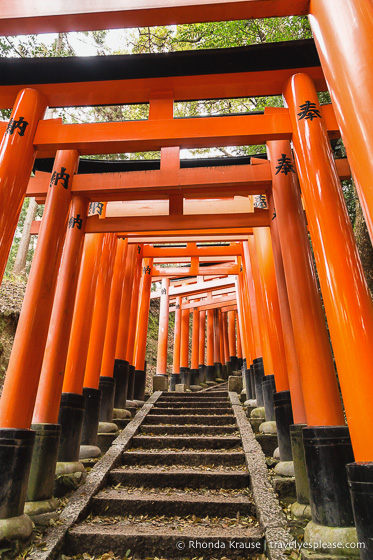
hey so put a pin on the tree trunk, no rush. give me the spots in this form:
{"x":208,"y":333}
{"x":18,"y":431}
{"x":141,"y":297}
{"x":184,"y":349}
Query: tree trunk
{"x":363,"y":243}
{"x":21,"y":258}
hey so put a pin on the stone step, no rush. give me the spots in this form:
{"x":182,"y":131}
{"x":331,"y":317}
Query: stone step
{"x":193,"y":398}
{"x":209,"y":420}
{"x":190,"y":458}
{"x":181,"y":430}
{"x":179,"y":478}
{"x":121,"y":502}
{"x":189,"y":410}
{"x":192,"y":404}
{"x":164,"y":542}
{"x":175,"y":395}
{"x":197,"y":442}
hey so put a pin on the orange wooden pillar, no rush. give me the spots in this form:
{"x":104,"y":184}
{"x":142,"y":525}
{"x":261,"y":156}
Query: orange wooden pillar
{"x":116,"y":384}
{"x":264,"y":251}
{"x":163,"y":328}
{"x":293,"y":371}
{"x":259,"y":296}
{"x":221,"y":333}
{"x":52,"y":374}
{"x":82,"y":317}
{"x":100,"y":312}
{"x":142,"y":330}
{"x":241,"y":316}
{"x":17,"y":155}
{"x":346,"y":297}
{"x":133,"y":322}
{"x":125,"y":304}
{"x":184,"y":348}
{"x":194,"y":372}
{"x":210,"y":368}
{"x":343,"y":37}
{"x":226,"y":342}
{"x":21,"y":382}
{"x":47,"y":405}
{"x":32,"y":330}
{"x":217,"y":356}
{"x":259,"y":330}
{"x":175,"y":376}
{"x":232,"y":339}
{"x":239,"y":344}
{"x":202,"y":346}
{"x":78,"y":403}
{"x":320,"y":391}
{"x":121,"y":365}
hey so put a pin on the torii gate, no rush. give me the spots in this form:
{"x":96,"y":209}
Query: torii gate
{"x":339,"y":29}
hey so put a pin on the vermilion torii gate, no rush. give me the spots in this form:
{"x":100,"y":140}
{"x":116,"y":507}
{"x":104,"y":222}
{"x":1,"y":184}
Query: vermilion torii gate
{"x":280,"y":313}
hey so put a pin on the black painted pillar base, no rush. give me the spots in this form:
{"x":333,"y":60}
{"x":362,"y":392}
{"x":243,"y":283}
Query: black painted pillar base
{"x":131,"y":383}
{"x":44,"y":461}
{"x":185,"y":376}
{"x":120,"y":375}
{"x":268,"y":388}
{"x":259,"y":376}
{"x":202,"y":373}
{"x":175,"y":379}
{"x":239,"y":363}
{"x":194,"y":376}
{"x":229,"y":369}
{"x":284,"y":419}
{"x":210,"y":374}
{"x":16,"y":448}
{"x":328,"y":450}
{"x":249,"y":394}
{"x":234,"y":363}
{"x":107,"y":388}
{"x":218,"y":370}
{"x":91,"y":415}
{"x":299,"y":460}
{"x":252,"y":380}
{"x":70,"y":419}
{"x":243,"y":366}
{"x":360,"y":481}
{"x":139,"y":385}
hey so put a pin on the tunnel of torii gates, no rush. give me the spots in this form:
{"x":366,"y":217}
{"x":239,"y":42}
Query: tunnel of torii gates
{"x":108,"y":227}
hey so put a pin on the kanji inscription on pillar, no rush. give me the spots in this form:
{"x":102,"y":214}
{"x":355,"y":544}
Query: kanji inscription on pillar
{"x":60,"y":176}
{"x":78,"y":222}
{"x":309,"y":110}
{"x":284,"y":165}
{"x":19,"y":124}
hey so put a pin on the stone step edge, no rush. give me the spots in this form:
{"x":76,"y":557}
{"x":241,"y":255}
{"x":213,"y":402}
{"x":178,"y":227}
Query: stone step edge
{"x":269,"y":513}
{"x":78,"y":504}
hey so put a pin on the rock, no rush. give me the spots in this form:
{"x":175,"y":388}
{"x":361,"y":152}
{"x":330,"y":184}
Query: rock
{"x":16,"y":529}
{"x":276,"y":453}
{"x":258,"y":412}
{"x":195,"y":388}
{"x":284,"y":468}
{"x":180,"y":387}
{"x":319,"y":534}
{"x":235,"y":384}
{"x":42,"y":506}
{"x":302,"y":511}
{"x":251,"y":402}
{"x":89,"y":451}
{"x":68,"y":467}
{"x":268,"y":427}
{"x":121,"y":413}
{"x":107,"y":427}
{"x":160,"y":383}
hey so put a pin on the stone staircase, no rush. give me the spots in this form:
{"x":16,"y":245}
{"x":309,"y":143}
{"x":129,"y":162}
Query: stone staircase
{"x":182,"y":490}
